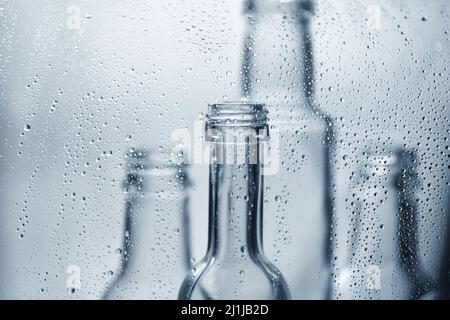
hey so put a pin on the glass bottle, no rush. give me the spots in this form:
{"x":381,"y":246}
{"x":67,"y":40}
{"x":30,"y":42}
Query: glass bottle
{"x":234,"y":266}
{"x":154,"y":260}
{"x":408,"y":182}
{"x":278,"y":70}
{"x":375,"y":268}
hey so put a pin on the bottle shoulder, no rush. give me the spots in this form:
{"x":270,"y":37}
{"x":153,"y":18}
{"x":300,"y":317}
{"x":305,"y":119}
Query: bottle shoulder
{"x":214,"y":279}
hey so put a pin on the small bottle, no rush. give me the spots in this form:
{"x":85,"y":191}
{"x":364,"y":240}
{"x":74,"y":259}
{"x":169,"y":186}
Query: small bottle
{"x":422,"y":286}
{"x":278,"y":69}
{"x":382,"y":233}
{"x":235,"y":266}
{"x":154,"y":260}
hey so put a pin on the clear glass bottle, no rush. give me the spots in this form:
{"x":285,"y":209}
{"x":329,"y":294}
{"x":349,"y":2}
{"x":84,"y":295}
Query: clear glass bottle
{"x":278,"y":70}
{"x":408,"y":183}
{"x":154,"y":258}
{"x":235,"y":266}
{"x":375,"y":268}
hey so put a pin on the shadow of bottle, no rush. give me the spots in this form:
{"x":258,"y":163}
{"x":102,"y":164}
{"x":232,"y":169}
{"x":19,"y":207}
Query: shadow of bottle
{"x":305,"y":9}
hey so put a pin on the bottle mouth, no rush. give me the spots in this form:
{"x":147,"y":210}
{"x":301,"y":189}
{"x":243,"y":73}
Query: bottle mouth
{"x":237,"y":114}
{"x":304,"y":7}
{"x":381,"y":162}
{"x":142,"y":164}
{"x":141,"y":159}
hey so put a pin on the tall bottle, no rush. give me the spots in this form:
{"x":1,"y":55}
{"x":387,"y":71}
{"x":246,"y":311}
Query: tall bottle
{"x":382,"y":262}
{"x":235,"y":266}
{"x":278,"y":70}
{"x":154,"y":260}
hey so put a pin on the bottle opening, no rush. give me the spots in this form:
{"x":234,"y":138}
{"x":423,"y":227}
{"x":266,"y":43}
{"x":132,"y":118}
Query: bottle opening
{"x":381,"y":161}
{"x":158,"y":162}
{"x":239,"y":134}
{"x":236,"y":122}
{"x":237,"y":114}
{"x":303,"y":7}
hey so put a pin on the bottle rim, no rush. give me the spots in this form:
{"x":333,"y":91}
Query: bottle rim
{"x":141,"y":159}
{"x":240,"y":113}
{"x":304,"y":7}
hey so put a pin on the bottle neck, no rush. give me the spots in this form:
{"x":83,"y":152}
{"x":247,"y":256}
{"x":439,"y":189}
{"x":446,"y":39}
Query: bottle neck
{"x":236,"y":185}
{"x":153,"y":221}
{"x":278,"y":59}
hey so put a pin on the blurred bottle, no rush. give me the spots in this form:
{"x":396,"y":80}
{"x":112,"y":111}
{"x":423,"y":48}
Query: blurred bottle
{"x":278,"y":70}
{"x":408,"y":182}
{"x":444,"y":277}
{"x":383,"y":262}
{"x":154,"y":257}
{"x":235,"y":266}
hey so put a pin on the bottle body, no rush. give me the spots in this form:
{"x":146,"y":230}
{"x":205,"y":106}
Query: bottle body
{"x":235,"y":266}
{"x":278,"y":71}
{"x":153,"y":255}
